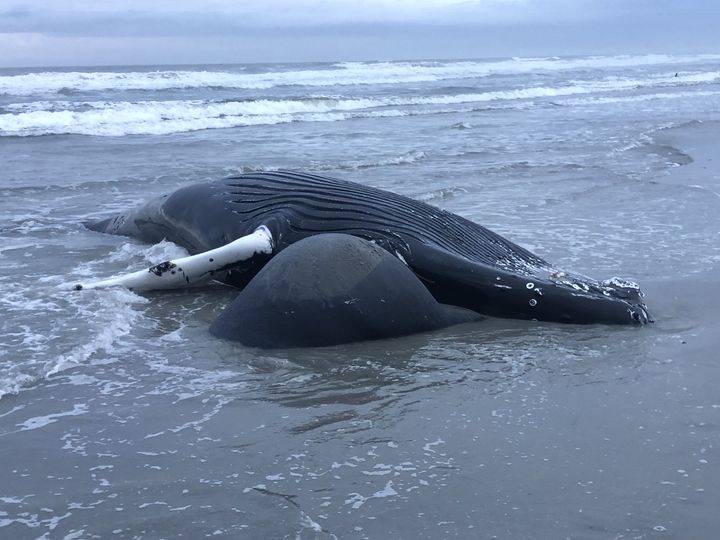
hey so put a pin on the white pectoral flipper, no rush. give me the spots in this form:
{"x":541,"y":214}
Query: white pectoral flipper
{"x":193,"y":270}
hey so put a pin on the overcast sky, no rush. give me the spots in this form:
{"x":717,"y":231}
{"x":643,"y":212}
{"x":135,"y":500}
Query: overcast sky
{"x":104,"y":32}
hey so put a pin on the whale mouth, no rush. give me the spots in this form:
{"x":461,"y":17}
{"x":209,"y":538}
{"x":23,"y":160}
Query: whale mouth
{"x":630,"y":292}
{"x":623,"y":290}
{"x":640,"y":314}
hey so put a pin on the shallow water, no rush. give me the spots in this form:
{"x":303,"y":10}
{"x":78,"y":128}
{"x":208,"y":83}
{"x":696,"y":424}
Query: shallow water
{"x":120,"y":414}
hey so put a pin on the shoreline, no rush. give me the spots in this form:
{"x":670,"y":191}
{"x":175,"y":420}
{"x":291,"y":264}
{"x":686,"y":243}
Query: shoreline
{"x":689,"y":303}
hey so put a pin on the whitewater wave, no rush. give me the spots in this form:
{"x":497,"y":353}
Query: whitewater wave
{"x":107,"y":324}
{"x":341,"y":74}
{"x":440,"y":194}
{"x":599,"y":100}
{"x":105,"y":118}
{"x":408,"y":158}
{"x":32,"y":344}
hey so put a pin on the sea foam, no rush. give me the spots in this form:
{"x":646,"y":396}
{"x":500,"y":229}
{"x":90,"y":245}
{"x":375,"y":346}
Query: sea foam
{"x":152,"y":117}
{"x":341,"y":74}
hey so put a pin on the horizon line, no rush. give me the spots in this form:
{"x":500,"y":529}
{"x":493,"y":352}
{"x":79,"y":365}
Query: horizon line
{"x":365,"y":61}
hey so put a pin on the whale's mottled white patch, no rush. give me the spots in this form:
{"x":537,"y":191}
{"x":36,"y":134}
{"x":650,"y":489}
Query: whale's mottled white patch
{"x":193,"y":270}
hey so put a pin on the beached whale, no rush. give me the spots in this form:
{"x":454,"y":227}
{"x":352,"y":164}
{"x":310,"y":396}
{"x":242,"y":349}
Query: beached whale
{"x":233,"y":227}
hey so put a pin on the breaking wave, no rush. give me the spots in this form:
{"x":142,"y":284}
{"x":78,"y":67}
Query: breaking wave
{"x":108,"y":118}
{"x":342,"y":74}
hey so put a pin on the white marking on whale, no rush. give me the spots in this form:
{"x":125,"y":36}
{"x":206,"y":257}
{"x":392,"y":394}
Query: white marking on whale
{"x":193,"y":270}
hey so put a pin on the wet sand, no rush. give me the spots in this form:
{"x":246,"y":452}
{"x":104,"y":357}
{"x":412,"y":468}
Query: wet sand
{"x":498,"y":429}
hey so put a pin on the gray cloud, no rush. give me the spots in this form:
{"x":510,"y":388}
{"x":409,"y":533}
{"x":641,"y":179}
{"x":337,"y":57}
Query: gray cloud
{"x":163,"y":31}
{"x":17,"y":12}
{"x":132,"y":17}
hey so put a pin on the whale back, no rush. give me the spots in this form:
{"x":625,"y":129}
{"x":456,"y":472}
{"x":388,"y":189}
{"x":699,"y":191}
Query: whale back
{"x":316,"y":204}
{"x":296,"y":205}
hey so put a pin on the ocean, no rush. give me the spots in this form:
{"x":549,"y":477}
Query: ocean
{"x":121,"y":416}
